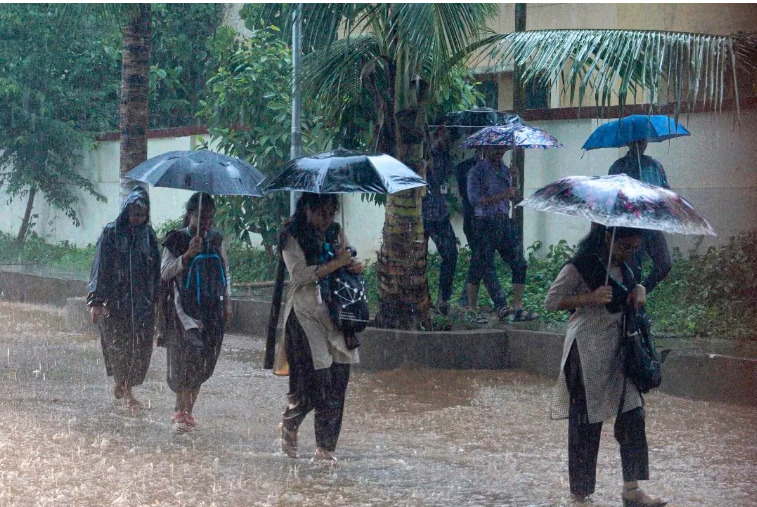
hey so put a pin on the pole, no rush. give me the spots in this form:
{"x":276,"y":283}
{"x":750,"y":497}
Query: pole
{"x":519,"y":104}
{"x":296,"y":141}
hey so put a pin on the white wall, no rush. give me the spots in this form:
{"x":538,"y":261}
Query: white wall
{"x":714,"y":169}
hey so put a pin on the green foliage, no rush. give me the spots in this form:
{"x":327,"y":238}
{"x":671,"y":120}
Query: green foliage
{"x":180,"y":60}
{"x":50,"y":94}
{"x":247,"y":109}
{"x":36,"y":250}
{"x":711,"y":294}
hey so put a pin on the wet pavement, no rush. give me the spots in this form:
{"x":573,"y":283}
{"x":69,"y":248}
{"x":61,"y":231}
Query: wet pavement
{"x":410,"y":437}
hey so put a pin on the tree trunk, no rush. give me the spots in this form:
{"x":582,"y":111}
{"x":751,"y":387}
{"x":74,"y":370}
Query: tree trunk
{"x":135,"y":81}
{"x":24,"y":229}
{"x":404,"y":301}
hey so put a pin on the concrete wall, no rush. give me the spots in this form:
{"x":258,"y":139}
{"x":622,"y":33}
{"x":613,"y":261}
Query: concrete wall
{"x":714,"y":169}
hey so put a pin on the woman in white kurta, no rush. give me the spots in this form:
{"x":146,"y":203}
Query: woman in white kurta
{"x":591,"y":384}
{"x":314,"y":352}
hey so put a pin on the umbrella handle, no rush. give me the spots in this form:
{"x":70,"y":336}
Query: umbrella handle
{"x":609,"y":260}
{"x":199,"y":214}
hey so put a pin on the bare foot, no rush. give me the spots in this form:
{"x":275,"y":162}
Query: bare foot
{"x":118,"y":391}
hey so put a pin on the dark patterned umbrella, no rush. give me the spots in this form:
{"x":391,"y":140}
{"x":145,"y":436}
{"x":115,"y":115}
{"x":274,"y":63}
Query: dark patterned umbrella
{"x":345,"y":171}
{"x":512,"y":136}
{"x":620,"y":201}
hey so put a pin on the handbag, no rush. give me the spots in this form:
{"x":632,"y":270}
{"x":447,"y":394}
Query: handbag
{"x":641,"y":361}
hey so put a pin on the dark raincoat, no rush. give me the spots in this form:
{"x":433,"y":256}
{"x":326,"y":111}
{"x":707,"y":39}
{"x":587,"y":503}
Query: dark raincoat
{"x":125,"y":279}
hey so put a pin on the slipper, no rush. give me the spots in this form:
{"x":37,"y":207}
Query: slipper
{"x":522,"y":315}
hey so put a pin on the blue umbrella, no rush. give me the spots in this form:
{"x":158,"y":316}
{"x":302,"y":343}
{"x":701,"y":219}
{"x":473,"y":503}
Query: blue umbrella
{"x":637,"y":127}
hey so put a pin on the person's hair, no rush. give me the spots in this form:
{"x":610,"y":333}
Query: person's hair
{"x":298,"y":227}
{"x":193,"y":204}
{"x":594,"y":242}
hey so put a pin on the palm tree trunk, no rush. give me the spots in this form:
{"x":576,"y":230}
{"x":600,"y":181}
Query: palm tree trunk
{"x":24,"y":229}
{"x":519,"y":104}
{"x":135,"y":81}
{"x":401,"y":268}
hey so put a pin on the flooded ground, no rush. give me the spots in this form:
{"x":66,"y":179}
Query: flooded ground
{"x":410,"y":436}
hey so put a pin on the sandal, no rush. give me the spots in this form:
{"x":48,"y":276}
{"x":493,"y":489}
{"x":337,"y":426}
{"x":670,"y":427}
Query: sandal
{"x":503,"y":312}
{"x":638,"y":498}
{"x":288,"y":439}
{"x":522,"y":315}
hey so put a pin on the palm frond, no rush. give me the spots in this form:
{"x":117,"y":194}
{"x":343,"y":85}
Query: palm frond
{"x":682,"y":68}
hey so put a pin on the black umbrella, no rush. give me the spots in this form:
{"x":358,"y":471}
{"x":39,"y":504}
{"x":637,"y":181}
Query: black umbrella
{"x":345,"y":171}
{"x":202,"y":171}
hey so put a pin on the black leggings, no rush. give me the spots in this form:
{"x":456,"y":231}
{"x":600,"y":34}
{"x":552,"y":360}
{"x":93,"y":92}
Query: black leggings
{"x":323,"y":390}
{"x":583,"y":437}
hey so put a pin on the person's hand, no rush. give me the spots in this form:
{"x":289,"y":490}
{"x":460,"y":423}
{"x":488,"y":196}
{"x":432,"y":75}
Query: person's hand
{"x":195,"y":247}
{"x":601,"y":295}
{"x":638,"y":297}
{"x":356,"y":267}
{"x":228,"y":311}
{"x":95,"y":312}
{"x":344,"y":258}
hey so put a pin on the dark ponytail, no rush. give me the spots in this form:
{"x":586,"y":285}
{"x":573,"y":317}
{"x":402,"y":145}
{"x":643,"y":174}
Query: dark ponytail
{"x":594,"y":242}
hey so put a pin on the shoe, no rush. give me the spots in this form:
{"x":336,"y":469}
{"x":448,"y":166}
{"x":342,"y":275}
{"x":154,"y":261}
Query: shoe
{"x":288,"y":439}
{"x":322,"y":454}
{"x":580,"y":498}
{"x":637,"y":498}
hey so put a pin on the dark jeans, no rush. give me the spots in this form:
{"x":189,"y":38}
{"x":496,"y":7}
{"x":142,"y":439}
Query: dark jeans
{"x":490,"y":276}
{"x":443,"y":236}
{"x":583,"y":437}
{"x":496,"y":234}
{"x":323,"y":390}
{"x":656,"y":248}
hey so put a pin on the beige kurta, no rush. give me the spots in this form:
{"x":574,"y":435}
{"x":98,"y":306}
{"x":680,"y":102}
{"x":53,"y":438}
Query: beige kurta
{"x":597,"y":335}
{"x":326,"y":341}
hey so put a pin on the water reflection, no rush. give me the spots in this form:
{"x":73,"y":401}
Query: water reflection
{"x":411,"y":436}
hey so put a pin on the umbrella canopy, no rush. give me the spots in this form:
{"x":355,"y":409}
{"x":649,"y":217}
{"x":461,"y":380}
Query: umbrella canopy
{"x":637,"y":127}
{"x":345,"y":171}
{"x":512,"y":136}
{"x":202,"y":171}
{"x":620,"y":201}
{"x":476,"y":118}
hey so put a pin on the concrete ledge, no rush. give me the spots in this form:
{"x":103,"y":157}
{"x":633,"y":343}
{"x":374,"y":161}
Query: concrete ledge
{"x":31,"y":288}
{"x":701,"y":376}
{"x":710,"y":377}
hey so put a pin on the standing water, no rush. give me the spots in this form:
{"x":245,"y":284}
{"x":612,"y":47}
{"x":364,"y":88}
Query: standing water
{"x":410,"y":436}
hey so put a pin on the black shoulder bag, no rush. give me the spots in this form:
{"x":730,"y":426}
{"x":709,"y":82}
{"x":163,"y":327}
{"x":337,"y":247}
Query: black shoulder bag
{"x":640,"y":359}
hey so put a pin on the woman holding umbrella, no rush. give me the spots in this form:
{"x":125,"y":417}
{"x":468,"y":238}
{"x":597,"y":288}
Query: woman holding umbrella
{"x":123,"y":289}
{"x":591,"y":387}
{"x":195,"y":259}
{"x":314,"y":352}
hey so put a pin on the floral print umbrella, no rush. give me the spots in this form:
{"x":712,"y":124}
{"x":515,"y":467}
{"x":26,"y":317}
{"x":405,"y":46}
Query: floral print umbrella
{"x":620,"y":201}
{"x":515,"y":135}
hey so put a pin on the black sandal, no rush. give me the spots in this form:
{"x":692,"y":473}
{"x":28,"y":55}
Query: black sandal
{"x":522,"y":315}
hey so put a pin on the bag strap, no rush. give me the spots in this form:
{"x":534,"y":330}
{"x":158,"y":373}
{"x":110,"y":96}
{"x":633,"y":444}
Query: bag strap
{"x":273,"y":320}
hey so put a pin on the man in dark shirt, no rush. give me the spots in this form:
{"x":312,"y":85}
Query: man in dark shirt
{"x":490,"y":190}
{"x":649,"y":170}
{"x":436,"y":224}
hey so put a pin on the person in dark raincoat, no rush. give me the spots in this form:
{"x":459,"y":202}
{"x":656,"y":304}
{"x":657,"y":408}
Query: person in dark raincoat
{"x":123,"y":290}
{"x":200,"y":304}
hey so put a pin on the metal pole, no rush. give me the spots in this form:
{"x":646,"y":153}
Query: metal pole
{"x":296,"y":141}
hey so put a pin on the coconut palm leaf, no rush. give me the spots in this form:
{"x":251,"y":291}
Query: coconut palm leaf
{"x":683,"y":68}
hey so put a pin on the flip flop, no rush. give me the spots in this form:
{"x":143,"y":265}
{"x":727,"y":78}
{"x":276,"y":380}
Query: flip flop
{"x":522,"y":315}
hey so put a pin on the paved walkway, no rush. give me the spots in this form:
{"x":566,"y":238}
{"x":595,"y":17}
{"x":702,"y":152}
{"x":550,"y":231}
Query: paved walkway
{"x":411,"y":436}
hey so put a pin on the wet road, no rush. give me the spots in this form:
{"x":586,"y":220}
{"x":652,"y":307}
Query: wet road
{"x":410,"y":436}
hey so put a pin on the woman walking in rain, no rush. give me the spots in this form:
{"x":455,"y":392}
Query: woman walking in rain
{"x":314,"y":352}
{"x":592,"y":385}
{"x":123,"y":290}
{"x":195,"y":259}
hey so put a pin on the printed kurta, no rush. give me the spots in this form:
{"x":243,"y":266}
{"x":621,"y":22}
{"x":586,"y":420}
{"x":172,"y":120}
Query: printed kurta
{"x":596,"y":332}
{"x":326,"y":341}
